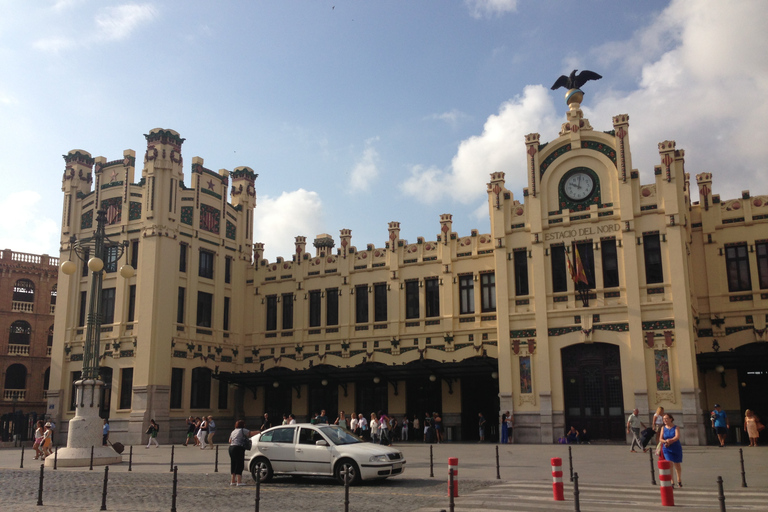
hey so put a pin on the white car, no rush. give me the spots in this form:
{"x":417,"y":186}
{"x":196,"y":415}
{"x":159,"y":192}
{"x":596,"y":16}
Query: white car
{"x":321,"y":450}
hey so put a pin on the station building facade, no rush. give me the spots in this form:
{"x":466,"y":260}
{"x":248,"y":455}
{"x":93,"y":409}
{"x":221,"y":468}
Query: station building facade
{"x":670,"y":311}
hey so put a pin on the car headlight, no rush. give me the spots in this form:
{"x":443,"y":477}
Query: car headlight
{"x":379,"y":458}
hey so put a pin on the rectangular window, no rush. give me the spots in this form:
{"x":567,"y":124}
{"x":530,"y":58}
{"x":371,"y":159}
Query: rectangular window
{"x":271,"y":313}
{"x":488,"y":292}
{"x":177,"y":386}
{"x":287,"y":311}
{"x":762,"y":263}
{"x":182,"y":258}
{"x":200,"y":389}
{"x":180,"y":306}
{"x":559,"y":270}
{"x":466,"y":295}
{"x":652,"y":252}
{"x":521,"y":272}
{"x":126,"y":387}
{"x":228,"y":269}
{"x":737,"y":268}
{"x":432,"y":297}
{"x":361,"y":304}
{"x":225,"y":322}
{"x":314,"y":308}
{"x":204,"y":309}
{"x":135,"y":254}
{"x":73,"y":394}
{"x":587,"y":256}
{"x":83,"y":308}
{"x":380,"y":302}
{"x":132,"y":303}
{"x":206,"y":264}
{"x":110,"y":259}
{"x":610,"y":263}
{"x":332,"y":306}
{"x":108,"y":306}
{"x":223,"y":395}
{"x":412,"y":299}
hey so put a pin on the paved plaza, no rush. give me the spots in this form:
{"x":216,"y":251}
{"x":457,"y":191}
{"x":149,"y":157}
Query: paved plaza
{"x":610,"y":478}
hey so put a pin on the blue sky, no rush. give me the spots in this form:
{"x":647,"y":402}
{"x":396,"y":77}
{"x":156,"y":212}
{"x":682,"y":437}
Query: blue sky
{"x":357,"y":113}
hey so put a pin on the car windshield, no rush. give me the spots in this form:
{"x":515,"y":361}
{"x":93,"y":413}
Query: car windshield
{"x":339,"y":436}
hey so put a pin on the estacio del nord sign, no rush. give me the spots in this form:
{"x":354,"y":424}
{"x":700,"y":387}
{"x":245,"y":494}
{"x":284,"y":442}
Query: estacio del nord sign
{"x":586,"y":231}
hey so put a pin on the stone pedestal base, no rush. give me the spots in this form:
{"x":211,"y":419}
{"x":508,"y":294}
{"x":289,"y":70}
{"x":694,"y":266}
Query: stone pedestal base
{"x":85,"y":431}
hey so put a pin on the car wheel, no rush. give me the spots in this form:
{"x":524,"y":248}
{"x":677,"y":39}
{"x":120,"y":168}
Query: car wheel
{"x":349,"y":467}
{"x":263,"y":468}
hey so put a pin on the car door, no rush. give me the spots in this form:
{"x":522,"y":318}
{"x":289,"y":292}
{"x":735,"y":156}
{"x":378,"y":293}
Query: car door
{"x":277,"y":445}
{"x":311,"y":458}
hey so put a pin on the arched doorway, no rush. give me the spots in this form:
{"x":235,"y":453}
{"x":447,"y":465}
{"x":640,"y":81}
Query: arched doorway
{"x":592,"y":389}
{"x":753,"y":378}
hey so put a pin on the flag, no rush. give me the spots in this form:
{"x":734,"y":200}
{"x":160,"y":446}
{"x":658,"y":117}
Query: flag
{"x":571,"y":272}
{"x":580,"y":275}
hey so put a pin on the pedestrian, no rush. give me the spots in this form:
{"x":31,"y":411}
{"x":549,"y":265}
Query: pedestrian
{"x":211,"y":431}
{"x":190,"y":431}
{"x":634,"y":425}
{"x":384,"y":428}
{"x":481,"y":426}
{"x":203,"y":432}
{"x":105,"y":433}
{"x":285,"y":418}
{"x":572,"y":437}
{"x":658,"y":422}
{"x":404,"y":429}
{"x":323,"y":418}
{"x":374,"y":428}
{"x":265,"y":423}
{"x":195,"y":437}
{"x":362,"y":424}
{"x":504,"y":428}
{"x":238,"y":441}
{"x":153,"y":429}
{"x":437,"y":421}
{"x":752,"y":427}
{"x":673,"y":450}
{"x":39,"y":439}
{"x":416,"y":427}
{"x":291,"y":419}
{"x":510,"y":427}
{"x":720,"y":424}
{"x":353,"y":424}
{"x":341,"y":420}
{"x":427,"y":428}
{"x":47,"y":440}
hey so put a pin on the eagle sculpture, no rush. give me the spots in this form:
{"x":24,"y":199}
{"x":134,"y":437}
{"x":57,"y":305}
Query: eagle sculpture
{"x":574,"y":81}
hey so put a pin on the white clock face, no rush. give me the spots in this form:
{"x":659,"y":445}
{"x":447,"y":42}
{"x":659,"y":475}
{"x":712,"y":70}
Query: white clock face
{"x":579,"y":186}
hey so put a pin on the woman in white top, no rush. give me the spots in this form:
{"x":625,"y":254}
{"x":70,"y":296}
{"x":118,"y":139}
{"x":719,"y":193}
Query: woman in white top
{"x":658,"y":422}
{"x":39,"y":439}
{"x":374,"y":424}
{"x":353,"y":423}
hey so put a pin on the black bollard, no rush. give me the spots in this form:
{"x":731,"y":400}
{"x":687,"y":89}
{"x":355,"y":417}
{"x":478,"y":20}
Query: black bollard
{"x":173,"y":496}
{"x":56,"y":457}
{"x":130,"y":458}
{"x":570,"y":463}
{"x":346,"y":489}
{"x":104,"y":489}
{"x":431,"y":463}
{"x":90,"y":468}
{"x":258,"y":487}
{"x":450,"y":490}
{"x":22,"y":457}
{"x":40,"y":486}
{"x":498,"y":475}
{"x":743,"y":474}
{"x":172,"y":449}
{"x":720,"y":493}
{"x":216,"y":464}
{"x":653,"y":472}
{"x":576,"y":492}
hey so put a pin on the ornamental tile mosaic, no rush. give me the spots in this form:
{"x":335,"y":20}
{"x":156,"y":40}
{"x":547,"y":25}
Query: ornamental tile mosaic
{"x":86,"y":220}
{"x":114,"y":209}
{"x":622,"y":327}
{"x":658,"y":325}
{"x":552,"y":157}
{"x":134,"y":210}
{"x":524,"y":333}
{"x":210,"y":218}
{"x":231,"y":231}
{"x":600,"y":147}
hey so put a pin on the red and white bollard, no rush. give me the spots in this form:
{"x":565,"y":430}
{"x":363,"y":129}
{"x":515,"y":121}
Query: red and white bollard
{"x":557,"y":478}
{"x":665,"y":483}
{"x":453,"y":466}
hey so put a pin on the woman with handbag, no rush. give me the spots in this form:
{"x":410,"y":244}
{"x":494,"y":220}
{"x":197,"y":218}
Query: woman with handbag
{"x":673,"y":450}
{"x":239,"y":442}
{"x":752,"y":427}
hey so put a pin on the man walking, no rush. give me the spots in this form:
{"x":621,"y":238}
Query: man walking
{"x":720,"y":424}
{"x":634,"y":425}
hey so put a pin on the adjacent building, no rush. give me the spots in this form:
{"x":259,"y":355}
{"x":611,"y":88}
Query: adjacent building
{"x":591,"y":296}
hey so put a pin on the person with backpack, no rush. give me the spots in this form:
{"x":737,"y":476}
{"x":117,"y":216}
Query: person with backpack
{"x":153,"y":429}
{"x":239,"y":443}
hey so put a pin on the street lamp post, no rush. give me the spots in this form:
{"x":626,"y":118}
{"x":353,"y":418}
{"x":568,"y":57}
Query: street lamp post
{"x":84,"y":432}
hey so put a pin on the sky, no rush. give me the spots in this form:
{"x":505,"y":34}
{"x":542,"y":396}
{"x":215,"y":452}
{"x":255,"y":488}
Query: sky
{"x":357,"y":113}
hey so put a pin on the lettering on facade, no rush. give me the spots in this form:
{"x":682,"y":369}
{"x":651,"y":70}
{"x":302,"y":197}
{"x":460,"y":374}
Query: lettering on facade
{"x":585,"y":231}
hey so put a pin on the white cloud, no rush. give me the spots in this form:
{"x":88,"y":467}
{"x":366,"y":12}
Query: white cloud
{"x":452,"y":117}
{"x":278,"y":220}
{"x":29,"y":231}
{"x":365,"y":171}
{"x":116,"y":23}
{"x":490,"y":8}
{"x":500,"y":147}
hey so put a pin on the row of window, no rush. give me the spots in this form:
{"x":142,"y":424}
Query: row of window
{"x":206,"y":263}
{"x":24,"y":291}
{"x":20,"y":333}
{"x":737,"y":265}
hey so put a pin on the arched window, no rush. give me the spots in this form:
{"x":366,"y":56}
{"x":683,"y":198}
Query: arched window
{"x":200,"y":396}
{"x":23,"y":295}
{"x":15,"y":382}
{"x":21,"y":332}
{"x":50,"y":337}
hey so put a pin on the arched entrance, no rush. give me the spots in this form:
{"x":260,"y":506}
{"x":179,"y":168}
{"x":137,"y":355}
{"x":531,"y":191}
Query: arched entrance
{"x":753,"y":378}
{"x":592,"y":390}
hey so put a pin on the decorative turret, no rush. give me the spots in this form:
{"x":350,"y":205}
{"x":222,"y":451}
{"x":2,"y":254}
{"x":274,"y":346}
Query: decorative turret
{"x":243,"y":187}
{"x":532,"y":150}
{"x":346,"y":240}
{"x":77,"y":180}
{"x":621,"y":131}
{"x":394,"y":234}
{"x":323,"y":245}
{"x":446,"y":223}
{"x":301,"y":244}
